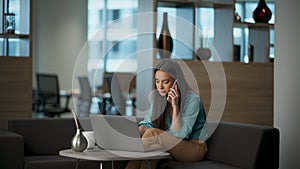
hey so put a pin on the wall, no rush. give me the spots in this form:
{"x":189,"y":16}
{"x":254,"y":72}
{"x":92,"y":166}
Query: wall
{"x":287,"y":81}
{"x":15,"y":89}
{"x":59,"y":33}
{"x":246,"y":95}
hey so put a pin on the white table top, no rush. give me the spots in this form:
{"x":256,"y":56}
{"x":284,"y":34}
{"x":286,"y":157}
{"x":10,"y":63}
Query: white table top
{"x":97,"y":154}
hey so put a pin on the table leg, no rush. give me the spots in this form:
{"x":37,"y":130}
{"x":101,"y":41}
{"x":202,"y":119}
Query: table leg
{"x":148,"y":164}
{"x":77,"y":163}
{"x":112,"y":165}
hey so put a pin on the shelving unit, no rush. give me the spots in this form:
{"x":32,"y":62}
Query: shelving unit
{"x":223,"y":26}
{"x":16,"y":44}
{"x":15,"y":62}
{"x":246,"y":100}
{"x":259,"y":38}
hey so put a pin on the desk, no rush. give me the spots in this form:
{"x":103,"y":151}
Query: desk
{"x":97,"y":154}
{"x":123,"y":101}
{"x":67,"y":94}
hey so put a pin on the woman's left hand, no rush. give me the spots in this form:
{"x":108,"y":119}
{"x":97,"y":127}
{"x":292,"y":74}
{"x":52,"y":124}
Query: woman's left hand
{"x":173,"y":96}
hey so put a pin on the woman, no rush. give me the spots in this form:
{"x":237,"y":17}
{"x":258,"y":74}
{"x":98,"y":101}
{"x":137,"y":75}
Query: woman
{"x":175,"y":120}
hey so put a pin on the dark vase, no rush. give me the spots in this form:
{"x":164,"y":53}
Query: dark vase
{"x":262,"y":13}
{"x":165,"y":41}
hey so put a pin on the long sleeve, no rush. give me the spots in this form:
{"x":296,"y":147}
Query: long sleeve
{"x":190,"y":117}
{"x":147,"y":122}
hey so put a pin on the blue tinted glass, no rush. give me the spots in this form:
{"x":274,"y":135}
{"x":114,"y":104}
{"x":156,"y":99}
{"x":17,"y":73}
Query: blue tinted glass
{"x":106,"y":30}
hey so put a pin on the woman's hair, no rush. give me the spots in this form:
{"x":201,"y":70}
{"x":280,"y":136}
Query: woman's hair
{"x":160,"y":102}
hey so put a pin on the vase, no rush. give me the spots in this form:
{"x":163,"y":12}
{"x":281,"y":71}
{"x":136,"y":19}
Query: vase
{"x":203,"y":53}
{"x":262,"y":13}
{"x":79,"y":142}
{"x":250,"y":53}
{"x":9,"y":23}
{"x":165,"y":41}
{"x":237,"y":53}
{"x":237,"y":17}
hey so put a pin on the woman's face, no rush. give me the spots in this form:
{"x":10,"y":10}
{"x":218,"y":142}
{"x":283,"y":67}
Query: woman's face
{"x":163,"y":82}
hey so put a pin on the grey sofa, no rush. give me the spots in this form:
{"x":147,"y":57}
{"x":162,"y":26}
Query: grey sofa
{"x":35,"y":143}
{"x":237,"y":146}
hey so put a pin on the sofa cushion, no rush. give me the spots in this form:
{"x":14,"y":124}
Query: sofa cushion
{"x":206,"y":164}
{"x":11,"y":150}
{"x":44,"y":136}
{"x":245,"y":145}
{"x":57,"y":162}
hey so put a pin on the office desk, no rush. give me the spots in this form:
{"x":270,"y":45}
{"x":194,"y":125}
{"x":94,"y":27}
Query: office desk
{"x":67,"y":94}
{"x":107,"y":101}
{"x":101,"y":155}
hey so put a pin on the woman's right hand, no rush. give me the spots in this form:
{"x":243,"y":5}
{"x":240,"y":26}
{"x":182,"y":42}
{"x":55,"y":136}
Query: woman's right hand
{"x":142,"y":129}
{"x":173,"y":96}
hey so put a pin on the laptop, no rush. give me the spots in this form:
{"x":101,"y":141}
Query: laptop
{"x":118,"y":133}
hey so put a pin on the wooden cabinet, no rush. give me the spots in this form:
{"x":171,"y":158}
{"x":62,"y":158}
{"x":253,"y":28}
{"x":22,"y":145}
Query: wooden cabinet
{"x":15,"y":62}
{"x":188,"y":30}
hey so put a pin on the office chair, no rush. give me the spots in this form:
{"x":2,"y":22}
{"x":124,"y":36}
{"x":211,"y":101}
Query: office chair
{"x":49,"y":96}
{"x":116,"y":104}
{"x":85,"y":97}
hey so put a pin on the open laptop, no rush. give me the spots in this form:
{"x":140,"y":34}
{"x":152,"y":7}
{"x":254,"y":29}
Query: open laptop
{"x":118,"y":133}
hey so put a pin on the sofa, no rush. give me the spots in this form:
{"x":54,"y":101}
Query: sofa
{"x":35,"y":143}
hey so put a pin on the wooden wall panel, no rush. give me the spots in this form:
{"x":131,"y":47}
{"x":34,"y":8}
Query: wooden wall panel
{"x":249,"y":96}
{"x":15,"y":88}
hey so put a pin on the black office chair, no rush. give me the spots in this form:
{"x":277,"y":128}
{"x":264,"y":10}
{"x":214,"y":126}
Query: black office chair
{"x":115,"y":105}
{"x":85,"y":97}
{"x":49,"y":96}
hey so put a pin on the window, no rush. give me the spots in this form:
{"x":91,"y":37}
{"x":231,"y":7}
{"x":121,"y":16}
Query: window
{"x":109,"y":21}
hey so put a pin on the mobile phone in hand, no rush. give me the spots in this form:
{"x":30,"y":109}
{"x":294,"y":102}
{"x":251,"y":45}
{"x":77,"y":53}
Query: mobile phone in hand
{"x":173,"y":86}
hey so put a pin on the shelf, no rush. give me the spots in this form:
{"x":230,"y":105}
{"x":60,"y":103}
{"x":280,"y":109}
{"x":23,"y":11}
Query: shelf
{"x":175,"y":1}
{"x":17,"y":36}
{"x":252,"y":25}
{"x":209,"y":4}
{"x":222,"y":34}
{"x":174,"y":4}
{"x":17,"y":57}
{"x":185,"y":3}
{"x":253,"y":1}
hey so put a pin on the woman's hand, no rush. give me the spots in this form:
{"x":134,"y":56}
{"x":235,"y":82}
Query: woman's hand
{"x":142,"y":129}
{"x":173,"y":96}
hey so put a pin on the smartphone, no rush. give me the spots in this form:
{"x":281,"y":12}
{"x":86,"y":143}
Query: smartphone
{"x":174,"y":84}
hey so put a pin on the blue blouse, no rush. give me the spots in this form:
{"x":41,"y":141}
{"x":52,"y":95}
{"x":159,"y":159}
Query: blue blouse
{"x":192,"y":116}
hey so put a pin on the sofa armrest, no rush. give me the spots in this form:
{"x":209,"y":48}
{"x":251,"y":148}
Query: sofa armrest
{"x":268,"y":152}
{"x":11,"y":150}
{"x":245,"y":145}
